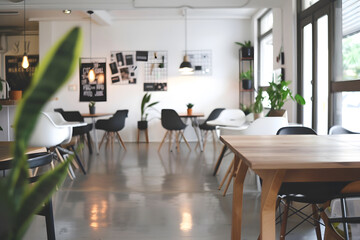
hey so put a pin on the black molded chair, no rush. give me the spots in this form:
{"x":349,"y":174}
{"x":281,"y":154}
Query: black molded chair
{"x":112,"y":126}
{"x":172,"y":122}
{"x":204,"y":127}
{"x":305,"y":192}
{"x":36,"y":160}
{"x":75,"y":116}
{"x":337,"y":129}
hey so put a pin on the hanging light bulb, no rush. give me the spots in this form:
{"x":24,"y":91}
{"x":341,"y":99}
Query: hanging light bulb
{"x":185,"y":66}
{"x":91,"y":74}
{"x":25,"y":61}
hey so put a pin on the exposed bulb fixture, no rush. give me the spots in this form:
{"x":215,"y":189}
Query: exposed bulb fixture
{"x":185,"y":66}
{"x":25,"y":61}
{"x":66,"y":11}
{"x":91,"y":74}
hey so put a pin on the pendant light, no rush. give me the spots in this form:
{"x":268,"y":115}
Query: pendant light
{"x":91,"y":75}
{"x":185,"y":66}
{"x":25,"y":61}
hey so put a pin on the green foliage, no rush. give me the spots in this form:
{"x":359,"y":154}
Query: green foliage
{"x":279,"y":93}
{"x":245,"y":109}
{"x":189,"y":105}
{"x":19,"y":200}
{"x":247,"y":75}
{"x":258,"y":105}
{"x":246,"y":44}
{"x":92,"y":104}
{"x":145,"y":105}
{"x":351,"y":57}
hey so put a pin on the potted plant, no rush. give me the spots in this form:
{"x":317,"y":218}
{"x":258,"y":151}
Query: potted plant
{"x":92,"y":107}
{"x":16,"y":88}
{"x":246,"y":79}
{"x":189,"y":108}
{"x":245,"y":109}
{"x":258,"y":105}
{"x":143,"y":123}
{"x":247,"y":51}
{"x":279,"y":93}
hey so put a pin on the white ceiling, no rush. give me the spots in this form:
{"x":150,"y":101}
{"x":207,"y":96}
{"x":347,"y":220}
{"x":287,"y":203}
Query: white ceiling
{"x":107,"y":11}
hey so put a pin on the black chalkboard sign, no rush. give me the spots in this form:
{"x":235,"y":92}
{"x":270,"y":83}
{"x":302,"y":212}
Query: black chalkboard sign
{"x":18,"y":77}
{"x":95,"y":91}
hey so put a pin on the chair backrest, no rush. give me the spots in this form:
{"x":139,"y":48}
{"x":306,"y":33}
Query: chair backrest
{"x":170,"y":120}
{"x":72,"y":116}
{"x":51,"y":129}
{"x":230,"y":118}
{"x":59,"y":110}
{"x":296,"y":131}
{"x":117,"y":121}
{"x":337,"y":129}
{"x":215,"y":114}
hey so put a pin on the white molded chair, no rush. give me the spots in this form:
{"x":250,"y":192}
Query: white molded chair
{"x":261,"y":126}
{"x":52,"y":130}
{"x":229,"y":118}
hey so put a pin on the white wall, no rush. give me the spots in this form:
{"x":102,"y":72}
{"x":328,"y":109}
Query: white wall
{"x":207,"y":93}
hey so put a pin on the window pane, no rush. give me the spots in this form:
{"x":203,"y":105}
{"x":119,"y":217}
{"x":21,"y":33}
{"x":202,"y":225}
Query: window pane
{"x":266,"y":23}
{"x":348,"y":110}
{"x":307,"y":75}
{"x":322,"y":75}
{"x":308,"y":3}
{"x":266,"y":60}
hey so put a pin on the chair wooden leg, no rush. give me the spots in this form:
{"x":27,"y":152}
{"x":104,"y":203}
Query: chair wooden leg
{"x":138,"y":136}
{"x":284,"y":220}
{"x":62,"y":160}
{"x":316,"y":217}
{"x":229,"y":179}
{"x":205,"y":138}
{"x":214,"y":139}
{"x":329,"y":234}
{"x":170,"y":136}
{"x":121,"y":141}
{"x":78,"y":160}
{"x":102,"y":140}
{"x":182,"y":134}
{"x":177,"y":140}
{"x":162,"y":142}
{"x":221,"y":156}
{"x":226,"y":174}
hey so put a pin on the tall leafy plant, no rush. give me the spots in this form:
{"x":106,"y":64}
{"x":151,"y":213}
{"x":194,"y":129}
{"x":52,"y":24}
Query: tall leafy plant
{"x":279,"y":93}
{"x":19,"y":200}
{"x":145,"y":105}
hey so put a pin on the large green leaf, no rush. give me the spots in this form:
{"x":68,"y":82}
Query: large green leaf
{"x":53,"y":71}
{"x":19,"y":199}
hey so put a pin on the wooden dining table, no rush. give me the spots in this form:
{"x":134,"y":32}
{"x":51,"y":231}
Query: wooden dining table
{"x":6,"y":154}
{"x":288,"y":158}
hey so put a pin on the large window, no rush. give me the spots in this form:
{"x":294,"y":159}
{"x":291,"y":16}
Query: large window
{"x":330,"y":84}
{"x":265,"y":41}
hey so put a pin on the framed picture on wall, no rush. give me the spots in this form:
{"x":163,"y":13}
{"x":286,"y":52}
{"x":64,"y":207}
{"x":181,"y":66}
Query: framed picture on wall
{"x":95,"y":90}
{"x":123,"y":67}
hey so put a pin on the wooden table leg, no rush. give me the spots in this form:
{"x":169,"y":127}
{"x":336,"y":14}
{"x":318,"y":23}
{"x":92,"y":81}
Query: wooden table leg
{"x":271,"y":185}
{"x":238,"y":198}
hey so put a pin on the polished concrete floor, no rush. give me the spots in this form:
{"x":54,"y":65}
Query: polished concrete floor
{"x":145,"y":194}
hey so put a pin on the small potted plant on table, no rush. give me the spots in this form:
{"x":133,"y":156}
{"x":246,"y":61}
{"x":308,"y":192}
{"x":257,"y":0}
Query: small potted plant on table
{"x":189,"y":108}
{"x":92,"y":107}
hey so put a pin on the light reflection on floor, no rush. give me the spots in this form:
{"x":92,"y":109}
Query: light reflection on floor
{"x":143,"y":194}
